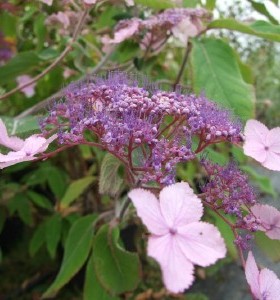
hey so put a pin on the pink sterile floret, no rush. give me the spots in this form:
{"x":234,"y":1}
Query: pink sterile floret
{"x":24,"y":150}
{"x":178,"y":238}
{"x":269,"y":219}
{"x":264,"y":284}
{"x":263,"y":144}
{"x":28,"y":90}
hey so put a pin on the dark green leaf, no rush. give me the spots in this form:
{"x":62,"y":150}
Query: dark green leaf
{"x":92,"y":288}
{"x":23,"y":62}
{"x":20,"y":204}
{"x":56,"y":181}
{"x":75,"y":189}
{"x":110,"y":181}
{"x":77,"y":248}
{"x":53,"y":233}
{"x":116,"y":269}
{"x":2,"y":218}
{"x":40,"y":200}
{"x":37,"y":240}
{"x":216,"y":72}
{"x":40,"y":30}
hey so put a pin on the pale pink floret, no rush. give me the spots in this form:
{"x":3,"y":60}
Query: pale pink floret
{"x":269,"y":217}
{"x":264,"y":284}
{"x":33,"y":145}
{"x":11,"y":142}
{"x":178,"y":239}
{"x":28,"y":90}
{"x":263,"y":144}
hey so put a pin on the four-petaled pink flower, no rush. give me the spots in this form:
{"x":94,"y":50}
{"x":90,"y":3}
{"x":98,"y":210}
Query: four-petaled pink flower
{"x":24,"y":150}
{"x":269,"y":217}
{"x":178,"y":238}
{"x":264,"y":284}
{"x":263,"y":144}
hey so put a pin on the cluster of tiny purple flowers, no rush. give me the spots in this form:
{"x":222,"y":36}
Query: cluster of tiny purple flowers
{"x":156,"y":127}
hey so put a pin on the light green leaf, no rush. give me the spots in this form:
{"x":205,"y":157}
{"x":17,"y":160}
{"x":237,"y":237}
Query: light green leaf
{"x":156,"y":4}
{"x":77,"y":248}
{"x":210,"y":4}
{"x":40,"y":30}
{"x":261,"y":8}
{"x":21,"y":63}
{"x":21,"y":126}
{"x":116,"y":269}
{"x":216,"y":73}
{"x":75,"y":189}
{"x":53,"y":232}
{"x":190,"y":3}
{"x":261,"y":29}
{"x":270,"y":247}
{"x":92,"y":288}
{"x":110,"y":181}
{"x":48,"y":53}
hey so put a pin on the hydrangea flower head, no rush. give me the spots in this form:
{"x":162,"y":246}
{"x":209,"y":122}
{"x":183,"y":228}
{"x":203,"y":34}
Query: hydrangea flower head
{"x":264,"y":284}
{"x":263,"y":144}
{"x":178,"y":238}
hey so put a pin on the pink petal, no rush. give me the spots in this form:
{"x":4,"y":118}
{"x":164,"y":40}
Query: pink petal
{"x":13,"y":158}
{"x":184,"y":30}
{"x":147,"y":207}
{"x":269,"y":216}
{"x":255,"y":131}
{"x":201,"y":243}
{"x":36,"y":144}
{"x":28,"y":90}
{"x":272,"y":161}
{"x":273,"y":140}
{"x":13,"y":143}
{"x":269,"y":285}
{"x":128,"y":30}
{"x":252,"y":275}
{"x":177,"y":271}
{"x":255,"y":150}
{"x":179,"y":205}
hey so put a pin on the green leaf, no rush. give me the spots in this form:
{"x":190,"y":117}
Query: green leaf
{"x":116,"y":269}
{"x":40,"y":30}
{"x":77,"y":248}
{"x":53,"y":232}
{"x":195,"y":296}
{"x":48,"y":53}
{"x":92,"y":288}
{"x":210,"y":4}
{"x":23,"y":62}
{"x":37,"y":240}
{"x":190,"y":3}
{"x":261,"y":29}
{"x":20,"y":204}
{"x":216,"y":73}
{"x":270,"y":247}
{"x":56,"y":180}
{"x":261,"y":8}
{"x":263,"y":182}
{"x":21,"y":126}
{"x":75,"y":189}
{"x":8,"y":25}
{"x":110,"y":181}
{"x":2,"y":219}
{"x":39,"y":200}
{"x":156,"y":4}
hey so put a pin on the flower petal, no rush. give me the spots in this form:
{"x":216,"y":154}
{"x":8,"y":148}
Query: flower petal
{"x":272,"y":161}
{"x":201,"y":243}
{"x":177,"y":271}
{"x":255,"y":150}
{"x":147,"y":207}
{"x":269,"y":216}
{"x":255,"y":131}
{"x":273,"y":140}
{"x":252,"y":275}
{"x":13,"y":158}
{"x":179,"y":205}
{"x":13,"y":142}
{"x":269,"y":285}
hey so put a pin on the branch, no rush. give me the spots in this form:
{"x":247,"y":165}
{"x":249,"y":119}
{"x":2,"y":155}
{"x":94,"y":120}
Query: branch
{"x":55,"y":63}
{"x":184,"y":62}
{"x":38,"y":106}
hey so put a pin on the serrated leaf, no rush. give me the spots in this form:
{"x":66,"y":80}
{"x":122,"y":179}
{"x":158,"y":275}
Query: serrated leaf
{"x":116,"y":269}
{"x":37,"y":240}
{"x":261,"y":29}
{"x":92,"y":287}
{"x":53,"y":227}
{"x":75,"y":189}
{"x":270,"y":247}
{"x":216,"y":73}
{"x":77,"y":249}
{"x":39,"y":200}
{"x":110,"y":181}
